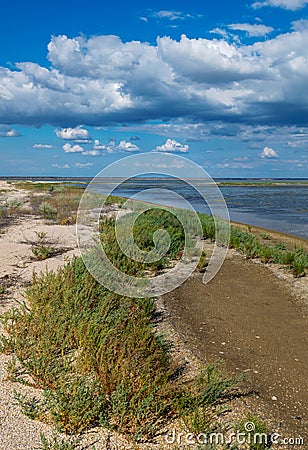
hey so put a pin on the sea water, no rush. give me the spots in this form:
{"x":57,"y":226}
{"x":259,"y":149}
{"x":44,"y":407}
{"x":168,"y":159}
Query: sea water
{"x":278,"y":206}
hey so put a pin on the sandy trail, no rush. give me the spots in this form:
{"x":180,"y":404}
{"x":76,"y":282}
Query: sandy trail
{"x":252,"y":320}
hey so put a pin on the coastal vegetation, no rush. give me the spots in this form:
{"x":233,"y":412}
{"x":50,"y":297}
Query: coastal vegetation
{"x":98,"y":360}
{"x":96,"y":356}
{"x":60,"y":203}
{"x":11,"y":209}
{"x":252,"y":246}
{"x":264,"y":182}
{"x":43,"y":246}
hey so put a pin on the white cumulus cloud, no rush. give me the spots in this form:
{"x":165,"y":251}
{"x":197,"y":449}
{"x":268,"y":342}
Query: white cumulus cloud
{"x":219,"y":31}
{"x":300,"y":25}
{"x":61,"y":166}
{"x":172,"y":146}
{"x":172,"y":15}
{"x":68,"y":148}
{"x":291,"y":5}
{"x":41,"y":146}
{"x":77,"y":133}
{"x":251,"y":29}
{"x":269,"y":152}
{"x":6,"y":131}
{"x":91,"y":153}
{"x":98,"y":145}
{"x":125,"y":146}
{"x":83,"y":141}
{"x":103,"y":81}
{"x":83,"y":165}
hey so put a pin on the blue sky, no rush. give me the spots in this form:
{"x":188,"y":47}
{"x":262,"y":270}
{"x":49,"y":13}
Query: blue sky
{"x":223,"y":83}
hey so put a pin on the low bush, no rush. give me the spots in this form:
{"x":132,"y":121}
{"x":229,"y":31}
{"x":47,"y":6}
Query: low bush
{"x":257,"y":434}
{"x":265,"y":236}
{"x":95,"y":353}
{"x":54,"y":202}
{"x":300,"y":264}
{"x":75,"y":330}
{"x":30,"y":406}
{"x":3,"y":212}
{"x":143,"y":230}
{"x":43,"y":247}
{"x":56,"y":442}
{"x":199,"y":402}
{"x":203,"y":263}
{"x":41,"y":252}
{"x":48,"y":211}
{"x":10,"y":209}
{"x":251,"y":246}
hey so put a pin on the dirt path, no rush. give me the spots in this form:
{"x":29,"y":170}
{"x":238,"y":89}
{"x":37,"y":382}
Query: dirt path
{"x":250,"y":319}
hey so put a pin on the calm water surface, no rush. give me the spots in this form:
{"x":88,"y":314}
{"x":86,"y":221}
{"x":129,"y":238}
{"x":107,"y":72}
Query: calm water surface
{"x":278,"y":207}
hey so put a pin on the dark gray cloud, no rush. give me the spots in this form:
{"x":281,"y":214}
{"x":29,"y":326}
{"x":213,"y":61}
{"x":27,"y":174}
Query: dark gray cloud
{"x":226,"y":130}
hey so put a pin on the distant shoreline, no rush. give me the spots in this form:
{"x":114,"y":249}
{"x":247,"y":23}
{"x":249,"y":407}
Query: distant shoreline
{"x":220,"y":181}
{"x":229,"y":188}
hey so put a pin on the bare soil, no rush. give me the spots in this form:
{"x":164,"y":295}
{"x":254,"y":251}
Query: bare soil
{"x":252,"y":320}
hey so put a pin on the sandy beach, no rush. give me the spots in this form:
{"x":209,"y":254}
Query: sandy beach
{"x":251,"y":315}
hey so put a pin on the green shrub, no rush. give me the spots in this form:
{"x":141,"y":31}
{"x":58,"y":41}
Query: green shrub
{"x":249,"y":244}
{"x":3,"y":212}
{"x":266,"y":236}
{"x":266,"y":254}
{"x":300,"y":264}
{"x":30,"y":406}
{"x":59,"y":203}
{"x":43,"y":248}
{"x":203,"y":263}
{"x":75,"y":330}
{"x":143,"y":230}
{"x":56,"y":442}
{"x":49,"y":212}
{"x":41,"y":252}
{"x":198,"y":402}
{"x":208,"y":226}
{"x":259,"y":434}
{"x":76,"y":403}
{"x":280,"y":246}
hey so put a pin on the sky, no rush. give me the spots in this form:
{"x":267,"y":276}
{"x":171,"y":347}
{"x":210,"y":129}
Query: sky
{"x":83,"y":84}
